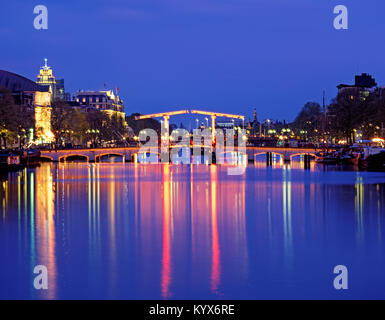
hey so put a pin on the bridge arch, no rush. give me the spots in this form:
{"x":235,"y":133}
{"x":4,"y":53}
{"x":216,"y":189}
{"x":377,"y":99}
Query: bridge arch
{"x":118,"y":154}
{"x":235,"y":156}
{"x":265,"y":153}
{"x":64,"y":157}
{"x":139,"y":156}
{"x":46,"y":158}
{"x":302,"y":154}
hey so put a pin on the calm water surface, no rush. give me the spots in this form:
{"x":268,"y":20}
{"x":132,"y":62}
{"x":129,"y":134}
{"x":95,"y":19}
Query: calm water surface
{"x":131,"y":231}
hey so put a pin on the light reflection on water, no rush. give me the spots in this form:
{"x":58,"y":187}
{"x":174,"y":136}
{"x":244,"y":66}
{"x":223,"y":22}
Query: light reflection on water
{"x":115,"y":230}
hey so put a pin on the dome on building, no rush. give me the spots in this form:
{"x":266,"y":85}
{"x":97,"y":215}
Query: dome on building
{"x":15,"y":82}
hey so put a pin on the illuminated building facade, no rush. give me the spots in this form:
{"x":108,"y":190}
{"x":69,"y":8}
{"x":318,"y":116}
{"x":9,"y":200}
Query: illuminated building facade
{"x":34,"y":96}
{"x":47,"y":79}
{"x":105,"y":101}
{"x":42,"y":106}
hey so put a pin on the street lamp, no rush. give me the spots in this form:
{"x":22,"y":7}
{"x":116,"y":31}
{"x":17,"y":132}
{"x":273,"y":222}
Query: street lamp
{"x":207,"y":121}
{"x":197,"y":121}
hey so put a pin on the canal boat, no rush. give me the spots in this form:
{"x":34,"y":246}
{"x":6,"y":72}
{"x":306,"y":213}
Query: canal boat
{"x":30,"y":157}
{"x":350,"y":156}
{"x":374,"y":162}
{"x":373,"y":158}
{"x":9,"y":161}
{"x":367,"y":155}
{"x":327,"y":157}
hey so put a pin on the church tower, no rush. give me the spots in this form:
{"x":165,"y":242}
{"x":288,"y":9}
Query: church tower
{"x":42,"y":104}
{"x":46,"y":78}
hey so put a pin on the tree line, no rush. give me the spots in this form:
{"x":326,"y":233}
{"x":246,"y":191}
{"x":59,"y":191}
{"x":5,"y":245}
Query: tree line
{"x":74,"y":126}
{"x":354,"y":112}
{"x":15,"y":120}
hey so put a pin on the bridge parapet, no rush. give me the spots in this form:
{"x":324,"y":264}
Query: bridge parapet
{"x":286,"y":153}
{"x":91,"y":155}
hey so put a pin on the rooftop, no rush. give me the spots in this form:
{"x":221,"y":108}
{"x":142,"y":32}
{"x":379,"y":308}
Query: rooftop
{"x":15,"y":82}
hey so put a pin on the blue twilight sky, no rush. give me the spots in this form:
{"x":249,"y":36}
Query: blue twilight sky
{"x":221,"y":55}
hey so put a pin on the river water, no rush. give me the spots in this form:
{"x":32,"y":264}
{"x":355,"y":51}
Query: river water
{"x":136,"y":231}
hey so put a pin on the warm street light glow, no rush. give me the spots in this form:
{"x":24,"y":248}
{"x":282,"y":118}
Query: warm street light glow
{"x":163,"y":114}
{"x":218,"y":114}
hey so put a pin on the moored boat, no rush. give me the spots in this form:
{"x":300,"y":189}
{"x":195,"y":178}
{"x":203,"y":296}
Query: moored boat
{"x":30,"y":157}
{"x":9,"y":161}
{"x":327,"y":157}
{"x":372,"y":155}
